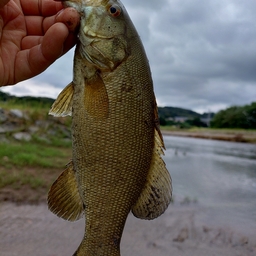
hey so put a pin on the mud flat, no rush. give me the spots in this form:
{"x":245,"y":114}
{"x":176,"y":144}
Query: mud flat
{"x":183,"y":230}
{"x":235,"y":136}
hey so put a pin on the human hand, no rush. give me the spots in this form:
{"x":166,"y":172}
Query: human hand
{"x":33,"y":34}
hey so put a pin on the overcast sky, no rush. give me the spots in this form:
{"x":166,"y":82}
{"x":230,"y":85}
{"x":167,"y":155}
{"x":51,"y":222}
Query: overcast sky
{"x":202,"y":53}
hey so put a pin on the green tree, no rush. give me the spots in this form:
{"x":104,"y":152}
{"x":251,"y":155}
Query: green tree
{"x":236,"y":117}
{"x":251,"y":115}
{"x":196,"y":122}
{"x":162,"y":121}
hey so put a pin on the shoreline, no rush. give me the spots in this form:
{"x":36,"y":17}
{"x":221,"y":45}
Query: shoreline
{"x":236,"y":136}
{"x":188,"y":229}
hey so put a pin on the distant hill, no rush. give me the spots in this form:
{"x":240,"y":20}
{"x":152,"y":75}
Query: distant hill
{"x":26,"y":100}
{"x":166,"y":112}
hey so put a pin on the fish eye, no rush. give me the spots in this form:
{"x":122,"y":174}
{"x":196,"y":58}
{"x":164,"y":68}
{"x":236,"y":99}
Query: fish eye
{"x":114,"y":10}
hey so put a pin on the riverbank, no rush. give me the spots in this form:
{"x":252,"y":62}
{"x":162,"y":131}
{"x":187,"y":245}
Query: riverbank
{"x":214,"y":134}
{"x":182,"y":230}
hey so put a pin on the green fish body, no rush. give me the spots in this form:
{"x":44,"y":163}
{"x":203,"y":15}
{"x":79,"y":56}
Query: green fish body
{"x":116,"y":162}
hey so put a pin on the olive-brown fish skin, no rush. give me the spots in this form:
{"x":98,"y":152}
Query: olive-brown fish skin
{"x":115,"y":133}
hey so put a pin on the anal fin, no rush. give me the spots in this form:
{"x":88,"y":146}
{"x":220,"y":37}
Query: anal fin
{"x":62,"y":106}
{"x":63,"y":198}
{"x":157,"y":193}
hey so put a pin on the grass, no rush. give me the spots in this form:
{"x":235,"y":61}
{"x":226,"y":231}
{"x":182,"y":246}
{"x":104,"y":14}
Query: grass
{"x":16,"y":179}
{"x":25,"y":105}
{"x":31,"y":165}
{"x":28,"y":169}
{"x":31,"y":154}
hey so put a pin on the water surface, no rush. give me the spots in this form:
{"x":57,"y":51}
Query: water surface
{"x":218,"y":175}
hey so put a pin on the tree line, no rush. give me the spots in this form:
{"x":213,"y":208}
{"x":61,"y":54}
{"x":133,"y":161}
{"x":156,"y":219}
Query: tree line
{"x":236,"y":117}
{"x":243,"y":117}
{"x":232,"y":117}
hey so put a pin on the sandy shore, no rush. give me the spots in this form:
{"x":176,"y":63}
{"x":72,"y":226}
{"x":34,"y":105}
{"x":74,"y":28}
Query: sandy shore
{"x":182,"y":230}
{"x":235,"y":136}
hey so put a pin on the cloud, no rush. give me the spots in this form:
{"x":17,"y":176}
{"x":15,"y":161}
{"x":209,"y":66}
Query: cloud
{"x":202,"y":53}
{"x":33,"y":87}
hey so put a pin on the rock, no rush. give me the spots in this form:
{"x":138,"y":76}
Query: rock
{"x":26,"y":126}
{"x":22,"y":136}
{"x":44,"y":124}
{"x":3,"y":139}
{"x":52,"y":132}
{"x":3,"y":116}
{"x":65,"y":131}
{"x":183,"y":235}
{"x":33,"y":129}
{"x":16,"y":113}
{"x":6,"y":128}
{"x":5,"y":158}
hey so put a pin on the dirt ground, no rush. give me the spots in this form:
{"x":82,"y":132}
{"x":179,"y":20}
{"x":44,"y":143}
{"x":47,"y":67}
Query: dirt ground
{"x":183,"y":230}
{"x":20,"y":193}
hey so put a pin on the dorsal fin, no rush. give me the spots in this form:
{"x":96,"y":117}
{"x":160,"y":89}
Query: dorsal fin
{"x":62,"y":106}
{"x":63,"y":198}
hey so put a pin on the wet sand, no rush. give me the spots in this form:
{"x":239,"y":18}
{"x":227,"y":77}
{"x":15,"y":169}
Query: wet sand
{"x":235,"y":136}
{"x":187,"y":230}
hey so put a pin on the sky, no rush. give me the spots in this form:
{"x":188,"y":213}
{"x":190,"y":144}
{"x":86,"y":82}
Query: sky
{"x":202,"y":54}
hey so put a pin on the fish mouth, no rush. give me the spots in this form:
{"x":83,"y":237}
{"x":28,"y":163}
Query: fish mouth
{"x":90,"y":33}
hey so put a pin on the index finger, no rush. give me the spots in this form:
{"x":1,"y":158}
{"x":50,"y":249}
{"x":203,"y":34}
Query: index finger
{"x":40,"y":7}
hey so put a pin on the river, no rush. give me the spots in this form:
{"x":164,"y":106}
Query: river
{"x":217,"y":175}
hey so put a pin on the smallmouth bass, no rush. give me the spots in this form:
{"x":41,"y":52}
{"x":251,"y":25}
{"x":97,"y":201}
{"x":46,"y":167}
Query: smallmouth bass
{"x":117,"y":145}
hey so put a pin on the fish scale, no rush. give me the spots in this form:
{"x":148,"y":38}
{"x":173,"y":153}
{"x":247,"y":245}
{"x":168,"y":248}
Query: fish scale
{"x":104,"y":182}
{"x":116,"y":162}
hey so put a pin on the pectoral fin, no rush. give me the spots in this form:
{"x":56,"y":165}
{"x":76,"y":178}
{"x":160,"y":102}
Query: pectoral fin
{"x":157,"y":193}
{"x":62,"y":106}
{"x":96,"y":97}
{"x":63,"y":198}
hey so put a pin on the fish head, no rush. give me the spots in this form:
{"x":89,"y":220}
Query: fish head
{"x":105,"y":32}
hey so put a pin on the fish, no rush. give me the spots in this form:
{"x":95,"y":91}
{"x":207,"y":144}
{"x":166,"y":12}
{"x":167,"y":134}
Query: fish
{"x":117,"y":146}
